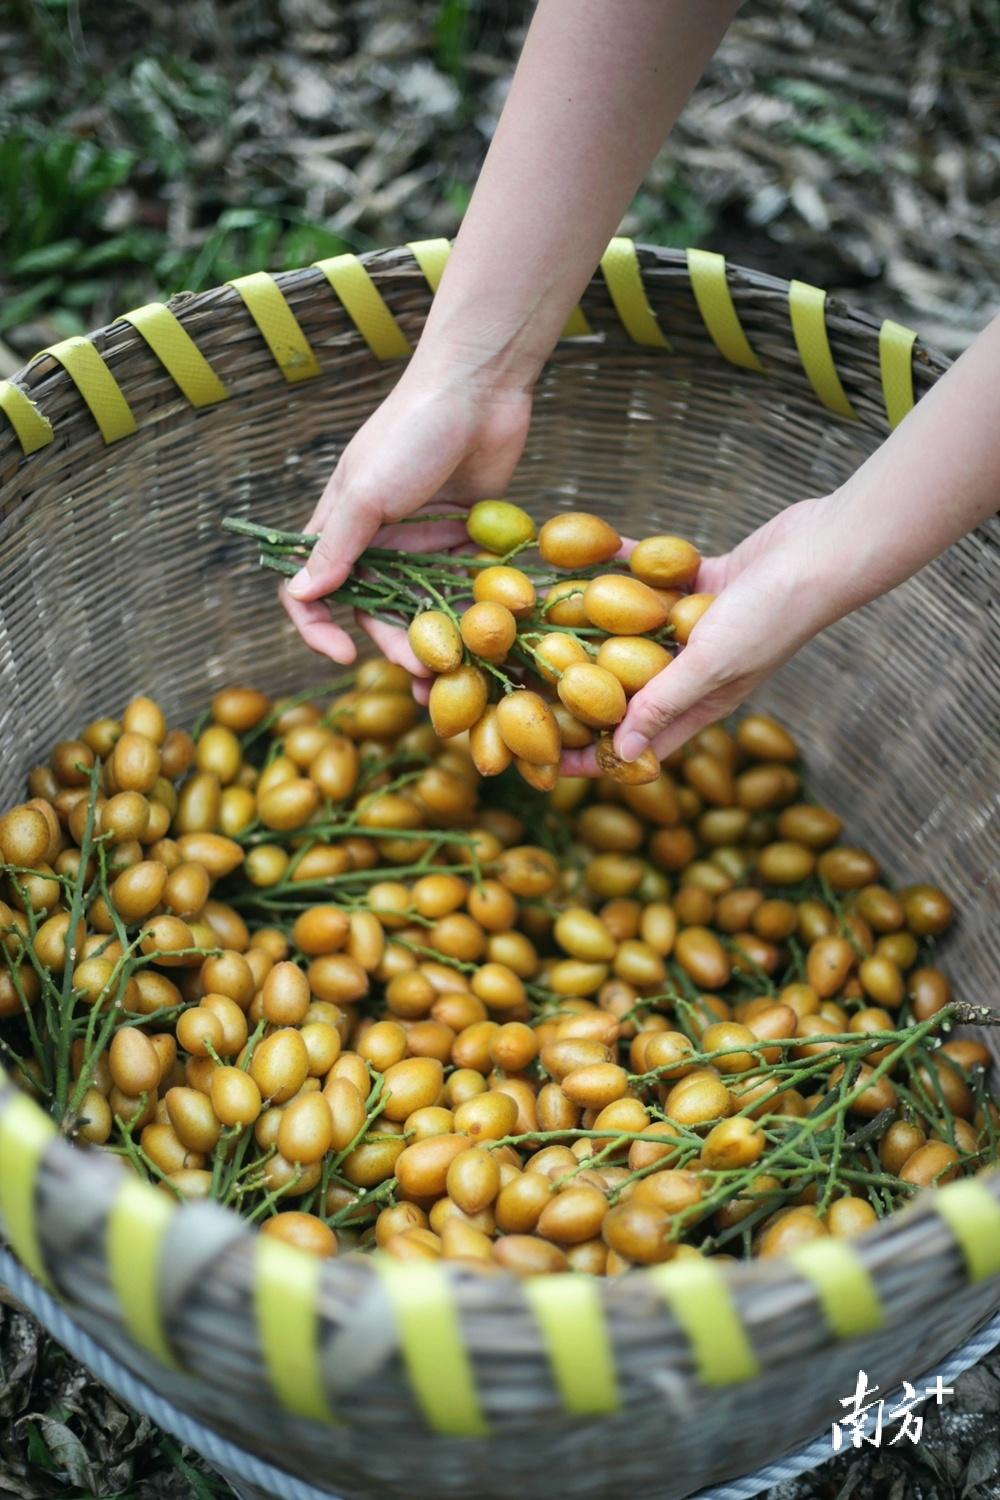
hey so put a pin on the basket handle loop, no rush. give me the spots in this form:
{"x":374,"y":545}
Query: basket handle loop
{"x":807,"y":310}
{"x":571,"y":1322}
{"x":279,"y":328}
{"x":702,"y":1303}
{"x":846,"y":1292}
{"x":137,"y":1224}
{"x":178,"y":354}
{"x":25,"y":1134}
{"x":707,"y":273}
{"x":432,"y":1347}
{"x":365,"y":306}
{"x":286,"y":1301}
{"x":972,"y":1213}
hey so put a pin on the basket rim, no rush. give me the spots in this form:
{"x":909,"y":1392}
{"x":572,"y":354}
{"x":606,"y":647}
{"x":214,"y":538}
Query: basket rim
{"x":44,"y":378}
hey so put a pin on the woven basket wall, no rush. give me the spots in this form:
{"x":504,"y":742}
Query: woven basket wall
{"x":116,"y":579}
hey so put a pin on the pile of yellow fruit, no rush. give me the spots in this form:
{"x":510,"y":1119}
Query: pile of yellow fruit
{"x":308,"y":962}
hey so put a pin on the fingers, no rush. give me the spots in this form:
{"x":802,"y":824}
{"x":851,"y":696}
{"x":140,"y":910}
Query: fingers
{"x":713,"y":574}
{"x":419,"y":535}
{"x":312,"y":620}
{"x":348,"y":529}
{"x":708,"y":711}
{"x":392,"y":642}
{"x":579,"y":763}
{"x":675,"y":690}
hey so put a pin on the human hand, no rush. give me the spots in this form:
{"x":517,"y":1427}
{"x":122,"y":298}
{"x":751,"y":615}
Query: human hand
{"x":447,"y":435}
{"x":775,"y":591}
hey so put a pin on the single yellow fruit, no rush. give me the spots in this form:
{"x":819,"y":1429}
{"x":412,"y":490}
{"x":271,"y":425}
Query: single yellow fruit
{"x":686,"y":613}
{"x":592,"y":694}
{"x":666,"y":562}
{"x":528,"y":727}
{"x":623,"y":606}
{"x":499,"y":526}
{"x":457,"y":700}
{"x":435,"y":641}
{"x":577,"y":539}
{"x":488,"y":629}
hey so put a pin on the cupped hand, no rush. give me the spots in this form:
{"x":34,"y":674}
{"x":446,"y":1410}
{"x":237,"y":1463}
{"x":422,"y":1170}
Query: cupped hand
{"x":775,"y":591}
{"x":444,"y":437}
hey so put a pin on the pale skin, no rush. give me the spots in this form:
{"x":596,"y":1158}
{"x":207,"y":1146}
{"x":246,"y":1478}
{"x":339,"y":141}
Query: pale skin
{"x":596,"y":91}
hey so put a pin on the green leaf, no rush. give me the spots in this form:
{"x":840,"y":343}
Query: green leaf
{"x":305,"y":243}
{"x":67,"y":1454}
{"x":23,"y":305}
{"x":135,"y":244}
{"x":48,"y":258}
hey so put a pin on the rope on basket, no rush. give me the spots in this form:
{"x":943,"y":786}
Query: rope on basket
{"x":356,"y":290}
{"x":239,"y":1464}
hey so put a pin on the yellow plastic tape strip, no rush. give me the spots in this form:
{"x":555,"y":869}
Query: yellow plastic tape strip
{"x":845,"y":1290}
{"x":577,"y":326}
{"x":97,"y":386}
{"x":286,"y":1293}
{"x":432,"y":257}
{"x":571,"y":1321}
{"x":137,"y":1224}
{"x":365,"y":306}
{"x":32,"y":430}
{"x":430,"y":1341}
{"x":807,"y":310}
{"x":973,"y":1216}
{"x":895,"y":357}
{"x":707,"y":271}
{"x":178,"y":354}
{"x":265,"y":302}
{"x":620,"y":266}
{"x":25,"y":1132}
{"x":700,"y":1301}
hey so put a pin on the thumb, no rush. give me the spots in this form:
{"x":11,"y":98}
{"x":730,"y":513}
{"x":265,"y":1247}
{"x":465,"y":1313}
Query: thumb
{"x":663,"y":700}
{"x":347,"y":531}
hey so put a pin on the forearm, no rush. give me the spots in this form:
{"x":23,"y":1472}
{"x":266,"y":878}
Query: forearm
{"x":934,"y":479}
{"x":598,"y":86}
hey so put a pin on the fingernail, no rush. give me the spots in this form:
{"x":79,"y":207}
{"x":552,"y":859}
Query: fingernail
{"x":299,"y":585}
{"x":631,"y":745}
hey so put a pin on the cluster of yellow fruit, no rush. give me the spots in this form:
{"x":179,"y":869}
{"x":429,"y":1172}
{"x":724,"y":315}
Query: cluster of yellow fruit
{"x":301,"y":964}
{"x":597,"y":638}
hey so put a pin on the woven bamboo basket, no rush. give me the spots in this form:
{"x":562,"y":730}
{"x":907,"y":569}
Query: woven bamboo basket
{"x":687,"y":396}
